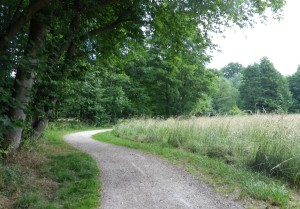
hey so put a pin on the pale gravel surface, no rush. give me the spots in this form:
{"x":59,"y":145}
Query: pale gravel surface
{"x":135,"y":180}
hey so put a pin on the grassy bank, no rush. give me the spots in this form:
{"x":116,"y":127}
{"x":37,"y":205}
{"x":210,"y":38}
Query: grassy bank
{"x":254,"y":156}
{"x":49,"y":174}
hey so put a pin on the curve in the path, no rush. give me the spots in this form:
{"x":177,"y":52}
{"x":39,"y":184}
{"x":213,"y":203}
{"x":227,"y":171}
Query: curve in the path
{"x":136,"y":180}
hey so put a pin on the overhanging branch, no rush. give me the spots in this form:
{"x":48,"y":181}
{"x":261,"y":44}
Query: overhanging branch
{"x":19,"y":23}
{"x":104,"y":29}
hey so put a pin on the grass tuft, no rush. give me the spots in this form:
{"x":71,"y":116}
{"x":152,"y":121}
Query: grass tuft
{"x":276,"y":194}
{"x":27,"y":200}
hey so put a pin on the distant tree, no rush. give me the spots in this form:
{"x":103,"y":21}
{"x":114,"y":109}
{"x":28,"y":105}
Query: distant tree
{"x":286,"y":94}
{"x":173,"y":80}
{"x":236,"y":80}
{"x":82,"y":100}
{"x":294,"y":86}
{"x":263,"y":88}
{"x":225,"y":97}
{"x":250,"y":87}
{"x":232,"y":69}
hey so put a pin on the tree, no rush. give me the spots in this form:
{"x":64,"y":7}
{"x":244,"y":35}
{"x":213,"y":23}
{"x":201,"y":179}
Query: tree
{"x":264,"y":89}
{"x":232,"y":69}
{"x":173,"y":78}
{"x":225,"y":98}
{"x":55,"y":39}
{"x":294,"y":86}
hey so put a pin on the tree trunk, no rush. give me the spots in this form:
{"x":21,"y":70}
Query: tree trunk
{"x":69,"y":48}
{"x":39,"y":124}
{"x":21,"y":89}
{"x":23,"y":83}
{"x":20,"y":22}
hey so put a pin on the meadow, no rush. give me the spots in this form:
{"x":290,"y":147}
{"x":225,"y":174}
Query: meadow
{"x":268,"y":143}
{"x":253,"y":156}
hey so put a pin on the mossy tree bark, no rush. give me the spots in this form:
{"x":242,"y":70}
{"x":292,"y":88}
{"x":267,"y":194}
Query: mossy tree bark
{"x":24,"y":80}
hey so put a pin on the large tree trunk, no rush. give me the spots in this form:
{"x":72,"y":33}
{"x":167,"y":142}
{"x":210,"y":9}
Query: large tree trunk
{"x":23,"y":83}
{"x":69,"y":48}
{"x":38,"y":123}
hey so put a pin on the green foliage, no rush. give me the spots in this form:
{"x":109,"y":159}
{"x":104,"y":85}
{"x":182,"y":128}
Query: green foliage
{"x":225,"y":95}
{"x":294,"y":86}
{"x":6,"y":81}
{"x":203,"y":106}
{"x":100,"y":99}
{"x":264,"y":89}
{"x":159,"y":83}
{"x":231,"y":69}
{"x":82,"y":101}
{"x":172,"y":81}
{"x":225,"y":98}
{"x":176,"y":33}
{"x":49,"y":174}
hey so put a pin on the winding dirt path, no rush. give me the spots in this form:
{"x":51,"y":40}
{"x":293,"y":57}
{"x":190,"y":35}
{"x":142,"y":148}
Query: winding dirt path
{"x":135,"y":180}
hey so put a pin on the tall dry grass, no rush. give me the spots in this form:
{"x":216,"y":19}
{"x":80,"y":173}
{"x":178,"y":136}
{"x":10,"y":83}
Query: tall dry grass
{"x":268,"y":143}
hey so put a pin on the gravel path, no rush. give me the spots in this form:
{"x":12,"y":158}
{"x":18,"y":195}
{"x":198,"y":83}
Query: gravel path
{"x":135,"y":180}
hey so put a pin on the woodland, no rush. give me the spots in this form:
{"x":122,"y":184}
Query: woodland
{"x":99,"y":61}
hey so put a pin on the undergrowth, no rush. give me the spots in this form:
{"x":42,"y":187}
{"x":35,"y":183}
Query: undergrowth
{"x":49,"y":174}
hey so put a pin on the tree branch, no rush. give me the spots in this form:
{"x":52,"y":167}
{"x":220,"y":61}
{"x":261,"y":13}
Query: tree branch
{"x":108,"y":2}
{"x":17,"y":12}
{"x":102,"y":3}
{"x":19,"y":23}
{"x":105,"y":29}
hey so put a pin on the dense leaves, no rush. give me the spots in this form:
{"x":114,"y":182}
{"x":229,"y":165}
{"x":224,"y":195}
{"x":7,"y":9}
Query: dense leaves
{"x":226,"y":97}
{"x":50,"y":45}
{"x":294,"y":85}
{"x":264,"y":88}
{"x":231,"y":70}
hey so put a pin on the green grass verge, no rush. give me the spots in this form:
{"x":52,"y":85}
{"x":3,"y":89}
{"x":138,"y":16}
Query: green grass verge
{"x":253,"y":187}
{"x":50,"y":174}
